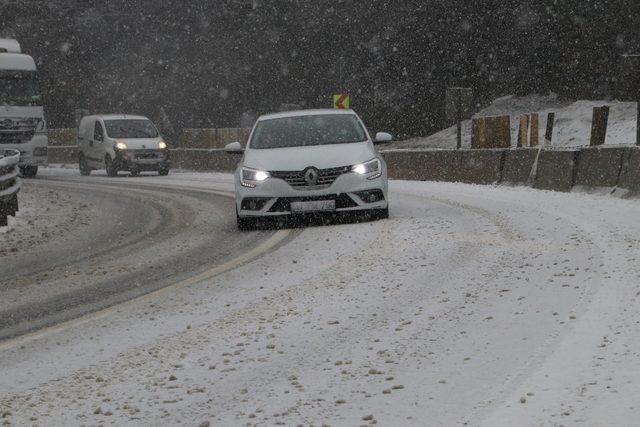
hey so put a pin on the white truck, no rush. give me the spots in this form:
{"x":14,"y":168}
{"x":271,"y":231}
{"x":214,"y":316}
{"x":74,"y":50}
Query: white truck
{"x":22,"y":123}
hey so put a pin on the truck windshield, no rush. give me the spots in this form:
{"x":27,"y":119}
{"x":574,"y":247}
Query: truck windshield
{"x":130,"y":128}
{"x":301,"y":131}
{"x":19,"y":88}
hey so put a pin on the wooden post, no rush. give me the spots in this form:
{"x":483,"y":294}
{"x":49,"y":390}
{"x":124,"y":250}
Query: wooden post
{"x":551,"y":118}
{"x":459,"y":121}
{"x":599,"y":125}
{"x":638,"y":124}
{"x":491,"y":132}
{"x":533,"y":137}
{"x":524,"y":129}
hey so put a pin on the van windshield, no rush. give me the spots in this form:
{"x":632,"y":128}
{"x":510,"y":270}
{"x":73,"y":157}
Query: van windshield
{"x":302,"y":131}
{"x":19,"y":88}
{"x":130,"y":128}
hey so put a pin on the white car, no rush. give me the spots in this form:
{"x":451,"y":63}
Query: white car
{"x":121,"y":142}
{"x":312,"y":161}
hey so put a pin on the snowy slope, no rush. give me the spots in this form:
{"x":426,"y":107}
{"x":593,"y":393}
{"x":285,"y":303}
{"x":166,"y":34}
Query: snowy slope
{"x":468,"y":301}
{"x":572,"y":126}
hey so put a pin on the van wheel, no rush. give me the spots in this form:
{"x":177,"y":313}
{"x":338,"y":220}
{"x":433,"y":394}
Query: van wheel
{"x":134,"y":172}
{"x":110,"y":166}
{"x":163,"y":172}
{"x":28,"y":171}
{"x":84,"y":167}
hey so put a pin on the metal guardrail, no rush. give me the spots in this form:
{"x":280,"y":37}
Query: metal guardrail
{"x":9,"y":184}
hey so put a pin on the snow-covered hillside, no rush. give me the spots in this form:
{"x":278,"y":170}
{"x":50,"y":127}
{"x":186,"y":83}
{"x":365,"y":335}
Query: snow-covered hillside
{"x":572,"y":126}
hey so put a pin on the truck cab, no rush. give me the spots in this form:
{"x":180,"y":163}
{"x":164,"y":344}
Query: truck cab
{"x":22,"y":122}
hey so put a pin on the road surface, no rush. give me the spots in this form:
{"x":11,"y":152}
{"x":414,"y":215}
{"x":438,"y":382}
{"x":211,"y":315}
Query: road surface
{"x":471,"y":305}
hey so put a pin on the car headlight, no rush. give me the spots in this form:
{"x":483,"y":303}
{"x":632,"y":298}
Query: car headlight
{"x":121,"y":145}
{"x":250,"y":177}
{"x":372,"y":168}
{"x":162,"y":145}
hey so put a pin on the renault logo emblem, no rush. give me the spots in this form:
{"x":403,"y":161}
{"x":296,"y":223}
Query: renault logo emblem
{"x":311,"y":176}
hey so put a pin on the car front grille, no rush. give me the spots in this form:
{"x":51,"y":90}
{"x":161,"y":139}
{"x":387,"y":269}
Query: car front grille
{"x":15,"y":137}
{"x":283,"y":204}
{"x":145,"y":154}
{"x":326,"y":177}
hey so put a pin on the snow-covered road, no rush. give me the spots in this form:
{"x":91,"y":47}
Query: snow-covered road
{"x":470,"y":305}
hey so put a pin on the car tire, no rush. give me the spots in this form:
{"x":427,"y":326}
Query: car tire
{"x":28,"y":171}
{"x":134,"y":172}
{"x":83,"y":166}
{"x":110,"y":166}
{"x":163,"y":172}
{"x":381,"y":213}
{"x":246,"y":224}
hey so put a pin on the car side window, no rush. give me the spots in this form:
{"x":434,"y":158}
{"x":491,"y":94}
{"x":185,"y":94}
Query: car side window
{"x":98,"y":132}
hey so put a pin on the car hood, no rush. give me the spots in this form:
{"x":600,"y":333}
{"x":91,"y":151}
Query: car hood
{"x":318,"y":156}
{"x":140,"y":143}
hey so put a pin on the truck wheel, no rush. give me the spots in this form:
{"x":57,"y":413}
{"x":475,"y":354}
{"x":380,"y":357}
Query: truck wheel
{"x":84,"y":167}
{"x":29,"y":171}
{"x":111,"y":168}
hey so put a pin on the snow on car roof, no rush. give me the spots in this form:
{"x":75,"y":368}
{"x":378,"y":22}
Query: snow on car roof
{"x":16,"y":62}
{"x":318,"y":112}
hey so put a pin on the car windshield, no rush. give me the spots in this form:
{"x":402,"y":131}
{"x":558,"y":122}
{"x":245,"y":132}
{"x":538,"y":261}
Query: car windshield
{"x":302,"y":131}
{"x":130,"y":128}
{"x":18,"y":88}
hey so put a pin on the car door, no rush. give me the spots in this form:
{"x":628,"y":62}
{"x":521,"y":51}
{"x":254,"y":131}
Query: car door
{"x":96,"y":145}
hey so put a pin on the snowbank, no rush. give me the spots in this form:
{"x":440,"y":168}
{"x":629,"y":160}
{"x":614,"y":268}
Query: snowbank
{"x":572,"y":127}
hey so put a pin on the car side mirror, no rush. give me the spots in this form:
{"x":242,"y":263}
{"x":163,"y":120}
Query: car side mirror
{"x":234,"y":148}
{"x":382,"y":137}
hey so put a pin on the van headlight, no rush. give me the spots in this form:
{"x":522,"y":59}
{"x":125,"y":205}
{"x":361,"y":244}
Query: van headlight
{"x":372,"y":168}
{"x":251,"y":177}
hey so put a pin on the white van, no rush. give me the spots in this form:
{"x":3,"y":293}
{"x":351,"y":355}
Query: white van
{"x":22,"y":122}
{"x":121,"y":143}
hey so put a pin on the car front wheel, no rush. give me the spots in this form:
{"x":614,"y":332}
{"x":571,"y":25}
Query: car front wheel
{"x":246,"y":224}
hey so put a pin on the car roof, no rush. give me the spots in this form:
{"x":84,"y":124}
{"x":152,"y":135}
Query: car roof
{"x":297,"y":113}
{"x":115,"y":117}
{"x":16,"y":62}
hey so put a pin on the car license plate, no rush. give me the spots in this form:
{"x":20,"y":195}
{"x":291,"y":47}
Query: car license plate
{"x":313,"y":206}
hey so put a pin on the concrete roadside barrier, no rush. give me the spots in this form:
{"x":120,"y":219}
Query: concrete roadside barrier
{"x":67,"y":154}
{"x":600,"y":166}
{"x":424,"y":165}
{"x":481,"y":166}
{"x":630,"y":172}
{"x":556,"y":170}
{"x":518,"y":164}
{"x":203,"y":160}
